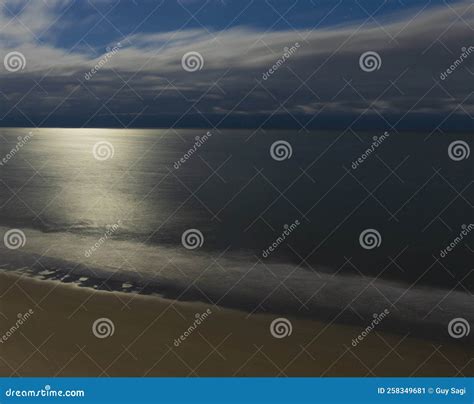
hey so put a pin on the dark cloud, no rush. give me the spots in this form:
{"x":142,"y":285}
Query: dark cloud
{"x":144,"y":84}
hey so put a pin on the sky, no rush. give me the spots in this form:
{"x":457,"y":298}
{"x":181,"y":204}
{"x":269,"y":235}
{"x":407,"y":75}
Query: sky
{"x":259,"y":63}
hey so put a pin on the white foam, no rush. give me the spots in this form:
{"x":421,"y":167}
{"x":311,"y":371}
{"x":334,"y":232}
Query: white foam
{"x":248,"y":282}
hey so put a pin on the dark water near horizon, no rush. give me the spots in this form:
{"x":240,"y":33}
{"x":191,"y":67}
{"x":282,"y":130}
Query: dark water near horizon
{"x":240,"y":199}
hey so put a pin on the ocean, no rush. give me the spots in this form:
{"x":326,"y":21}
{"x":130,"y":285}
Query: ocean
{"x":337,"y":226}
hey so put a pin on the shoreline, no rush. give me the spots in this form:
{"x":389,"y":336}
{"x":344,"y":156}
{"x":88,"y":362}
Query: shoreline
{"x":57,"y":339}
{"x":351,"y":300}
{"x":435,"y":333}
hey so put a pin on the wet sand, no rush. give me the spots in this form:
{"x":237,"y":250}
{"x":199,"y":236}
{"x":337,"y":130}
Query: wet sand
{"x":57,"y":340}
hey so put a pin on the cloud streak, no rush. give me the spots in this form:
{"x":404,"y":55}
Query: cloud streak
{"x":144,"y":82}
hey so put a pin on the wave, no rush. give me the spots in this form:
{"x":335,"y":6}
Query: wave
{"x":237,"y":281}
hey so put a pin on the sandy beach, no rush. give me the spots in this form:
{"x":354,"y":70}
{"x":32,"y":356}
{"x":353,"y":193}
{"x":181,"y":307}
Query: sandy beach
{"x":56,"y":339}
